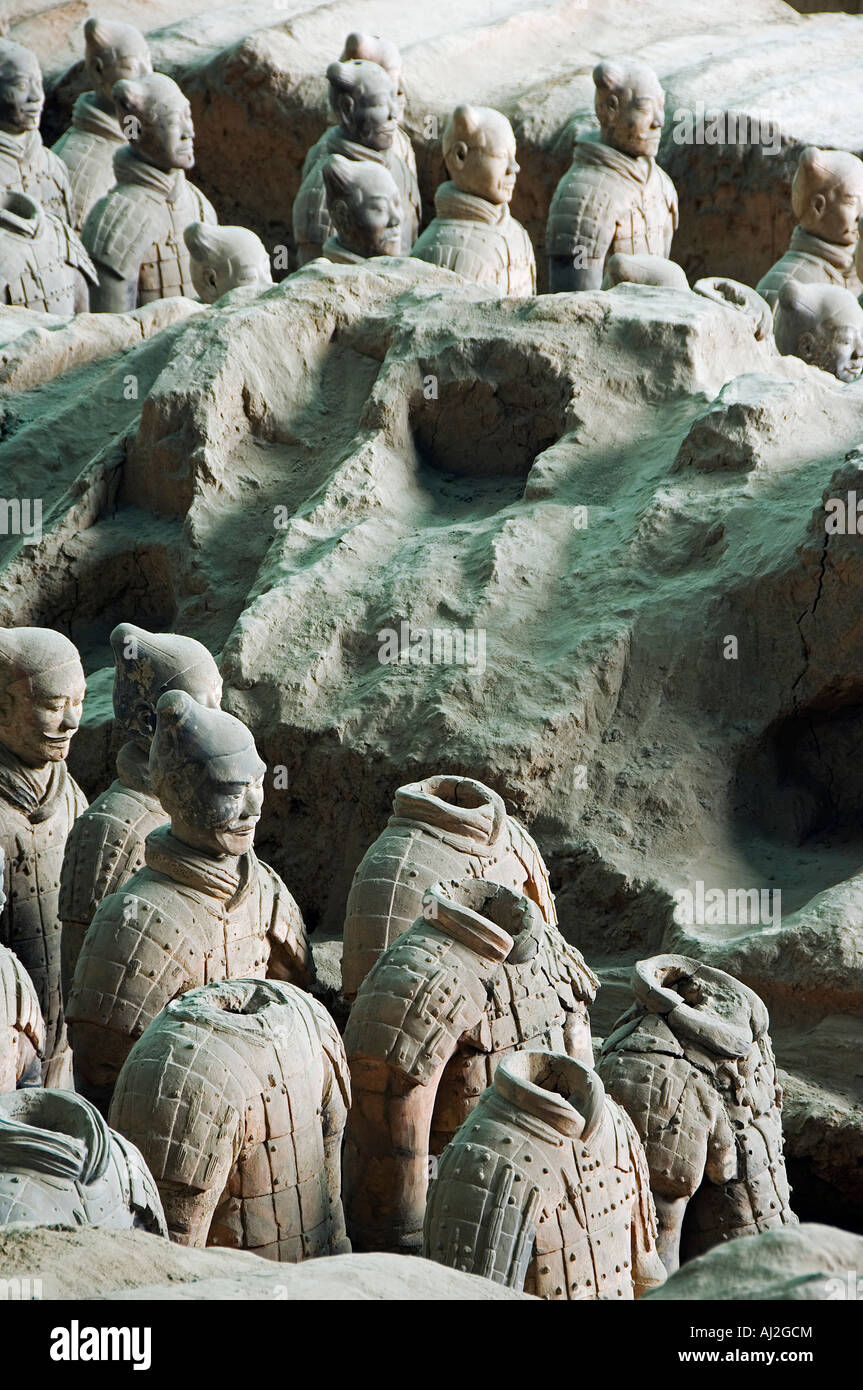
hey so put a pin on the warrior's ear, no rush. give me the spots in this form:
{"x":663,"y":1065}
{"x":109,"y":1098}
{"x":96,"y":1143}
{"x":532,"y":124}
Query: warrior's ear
{"x":806,"y":346}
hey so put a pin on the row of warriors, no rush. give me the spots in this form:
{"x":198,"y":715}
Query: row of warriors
{"x":150,"y":955}
{"x":109,"y":221}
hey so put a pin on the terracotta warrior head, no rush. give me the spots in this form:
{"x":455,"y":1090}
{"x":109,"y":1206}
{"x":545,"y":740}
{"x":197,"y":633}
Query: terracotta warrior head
{"x":479,"y":153}
{"x":827,"y":194}
{"x":114,"y":52}
{"x":22,"y":94}
{"x":386,"y":55}
{"x":146,"y":665}
{"x":224,"y":258}
{"x":629,"y":105}
{"x":364,"y":205}
{"x":205,"y":770}
{"x":156,"y":119}
{"x":363,"y":97}
{"x":822,"y":324}
{"x":42,"y":691}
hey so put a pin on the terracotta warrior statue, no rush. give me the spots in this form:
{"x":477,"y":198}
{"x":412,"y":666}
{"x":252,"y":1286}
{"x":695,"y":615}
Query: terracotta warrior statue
{"x":365,"y":210}
{"x":22,"y":1028}
{"x":545,"y":1188}
{"x":135,"y":233}
{"x":60,"y":1165}
{"x":479,"y":975}
{"x":202,"y":909}
{"x":614,"y":197}
{"x":43,"y":265}
{"x":363,"y":97}
{"x":643,"y":269}
{"x":236,"y":1096}
{"x":473,"y":232}
{"x":106,"y":844}
{"x":114,"y":52}
{"x":226,"y":258}
{"x":821,"y":324}
{"x":444,"y":827}
{"x":692,"y":1065}
{"x":386,"y":55}
{"x":827,"y":199}
{"x":41,"y":698}
{"x":26,"y":166}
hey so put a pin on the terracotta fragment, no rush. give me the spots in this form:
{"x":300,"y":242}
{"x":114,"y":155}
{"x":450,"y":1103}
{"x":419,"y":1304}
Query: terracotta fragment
{"x":225,"y":258}
{"x":545,"y":1188}
{"x":135,"y":233}
{"x":41,"y":697}
{"x":60,"y":1164}
{"x":821,"y":324}
{"x":236,"y":1096}
{"x":202,"y":909}
{"x":827,"y":199}
{"x":614,"y":197}
{"x":692,"y":1064}
{"x":365,"y":209}
{"x":26,"y":166}
{"x":113,"y":51}
{"x":477,"y":976}
{"x":444,"y":827}
{"x":106,"y":844}
{"x":363,"y":96}
{"x":43,"y":264}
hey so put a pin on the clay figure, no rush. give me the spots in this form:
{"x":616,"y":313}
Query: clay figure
{"x":643,"y":269}
{"x":386,"y":55}
{"x":202,"y":909}
{"x":365,"y":210}
{"x":821,"y":324}
{"x":26,"y":166}
{"x":41,"y":698}
{"x":363,"y":96}
{"x":106,"y":844}
{"x":225,"y":258}
{"x":113,"y":52}
{"x":444,"y":827}
{"x":22,"y":1027}
{"x":135,"y":233}
{"x":43,"y":265}
{"x":614,"y":197}
{"x":60,"y":1164}
{"x":477,"y":976}
{"x":827,"y":199}
{"x":545,"y":1188}
{"x":236,"y":1096}
{"x":473,"y":232}
{"x":692,"y":1064}
{"x":741,"y":297}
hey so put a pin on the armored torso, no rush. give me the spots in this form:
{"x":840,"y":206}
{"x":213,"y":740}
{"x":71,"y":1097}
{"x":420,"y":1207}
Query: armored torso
{"x":312,"y":223}
{"x":546,"y":1193}
{"x":34,"y":825}
{"x":608,"y":201}
{"x":60,"y":1164}
{"x":136,"y":230}
{"x":104,"y":849}
{"x":441,"y":829}
{"x":810,"y":260}
{"x":26,"y":166}
{"x":237,"y":1097}
{"x":182,"y":921}
{"x":40,"y":259}
{"x":479,"y":240}
{"x":20,"y":1019}
{"x":87,"y":149}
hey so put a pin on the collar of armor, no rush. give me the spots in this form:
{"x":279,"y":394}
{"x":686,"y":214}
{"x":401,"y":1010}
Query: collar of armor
{"x":335,"y":251}
{"x":482,"y":936}
{"x":591,"y":150}
{"x":29,"y":222}
{"x":339,"y":143}
{"x":552,"y":1087}
{"x":165,"y":854}
{"x":22,"y":148}
{"x":653,"y":982}
{"x":477,"y":828}
{"x":842,"y":257}
{"x":130,"y":168}
{"x":87,"y":115}
{"x":53,"y":1132}
{"x":35,"y":791}
{"x":451,"y":201}
{"x":259,"y":1010}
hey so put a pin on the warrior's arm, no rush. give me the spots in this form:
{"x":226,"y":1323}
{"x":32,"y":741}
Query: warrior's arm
{"x":98,"y":1053}
{"x":113,"y":294}
{"x":189,"y":1213}
{"x":82,"y":293}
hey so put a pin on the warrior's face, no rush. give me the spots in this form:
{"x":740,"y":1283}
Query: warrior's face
{"x":836,"y":347}
{"x":631,"y":119}
{"x":833,"y":214}
{"x":112,"y":65}
{"x":226,"y":812}
{"x":398,"y":80}
{"x":487,"y":166}
{"x":41,"y":714}
{"x":375,"y":215}
{"x":370,"y":114}
{"x":22,"y":94}
{"x":166,"y":135}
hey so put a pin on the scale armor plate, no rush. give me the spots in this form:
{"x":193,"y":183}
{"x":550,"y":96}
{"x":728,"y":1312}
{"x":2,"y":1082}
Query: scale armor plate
{"x":134,"y":232}
{"x":501,"y":256}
